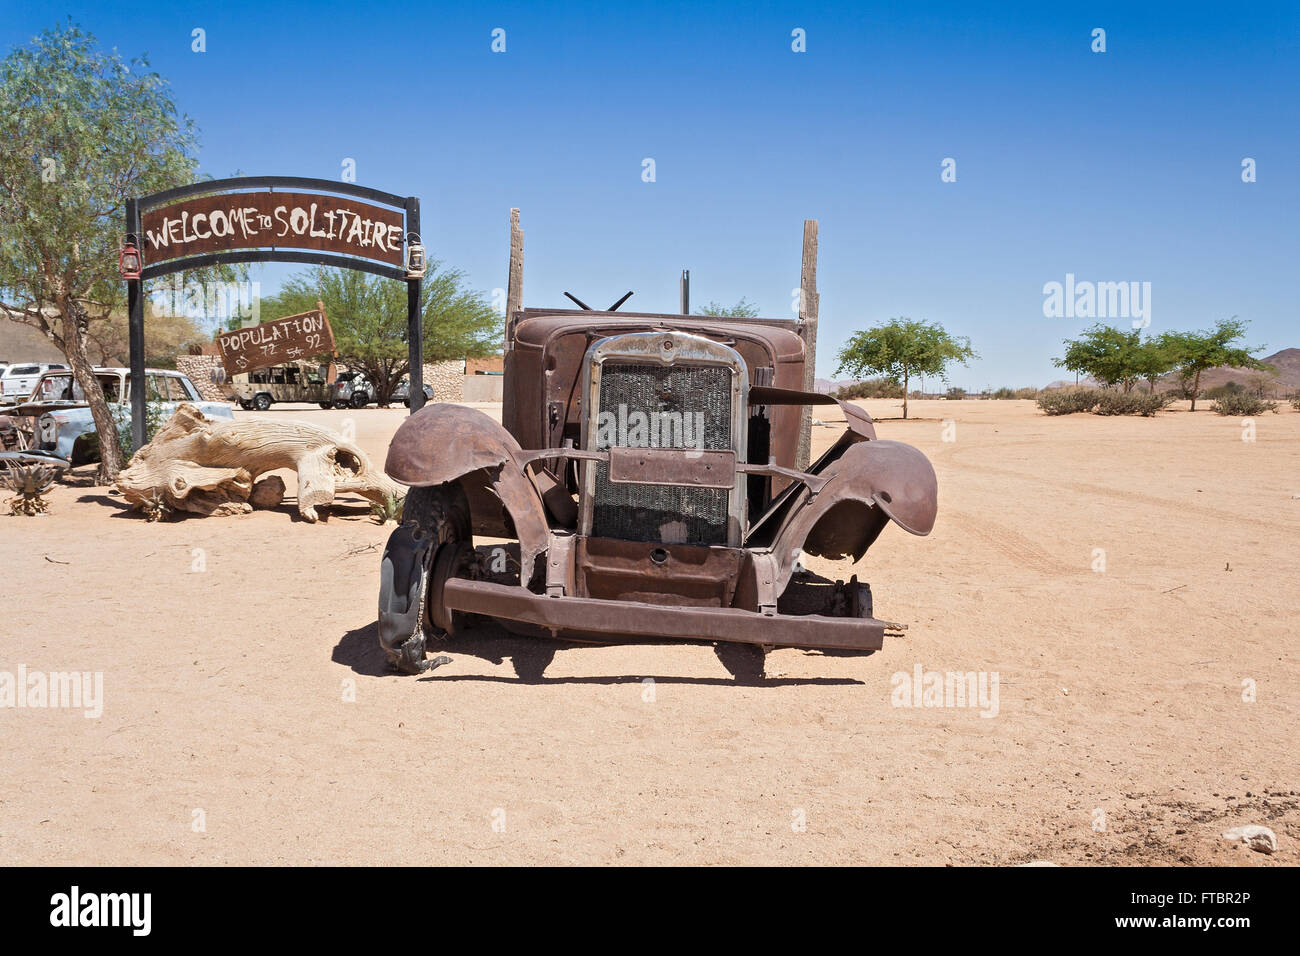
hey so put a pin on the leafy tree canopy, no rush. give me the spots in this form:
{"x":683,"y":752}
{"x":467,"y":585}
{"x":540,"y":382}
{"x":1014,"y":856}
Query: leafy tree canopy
{"x":1195,"y":352}
{"x":902,"y":348}
{"x":81,"y":131}
{"x":1112,"y":356}
{"x":368,"y":315}
{"x":741,"y":310}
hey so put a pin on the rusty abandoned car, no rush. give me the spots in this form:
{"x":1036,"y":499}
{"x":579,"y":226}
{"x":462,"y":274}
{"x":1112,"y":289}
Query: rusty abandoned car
{"x":627,"y":530}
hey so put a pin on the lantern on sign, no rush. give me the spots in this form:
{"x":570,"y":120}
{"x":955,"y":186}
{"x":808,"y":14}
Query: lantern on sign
{"x":416,"y":264}
{"x":128,"y":263}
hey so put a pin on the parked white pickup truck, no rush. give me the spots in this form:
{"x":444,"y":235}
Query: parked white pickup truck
{"x":65,"y":427}
{"x":18,"y":379}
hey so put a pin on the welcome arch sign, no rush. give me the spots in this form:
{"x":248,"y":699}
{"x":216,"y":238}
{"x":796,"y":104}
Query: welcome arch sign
{"x":271,"y":219}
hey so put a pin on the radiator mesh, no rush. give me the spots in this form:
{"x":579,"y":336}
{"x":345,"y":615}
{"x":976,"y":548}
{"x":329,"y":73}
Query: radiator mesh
{"x":684,"y":398}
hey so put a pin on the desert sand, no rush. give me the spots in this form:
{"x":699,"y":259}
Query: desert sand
{"x":1133,"y":583}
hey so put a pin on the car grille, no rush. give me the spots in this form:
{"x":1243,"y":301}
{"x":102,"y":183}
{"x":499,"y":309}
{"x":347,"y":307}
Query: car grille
{"x":666,"y":513}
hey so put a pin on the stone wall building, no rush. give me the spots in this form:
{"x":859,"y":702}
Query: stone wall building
{"x":447,"y":379}
{"x":201,"y":370}
{"x":490,"y":365}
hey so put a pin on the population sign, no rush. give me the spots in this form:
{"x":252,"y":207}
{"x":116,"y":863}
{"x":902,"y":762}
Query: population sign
{"x":283,"y":340}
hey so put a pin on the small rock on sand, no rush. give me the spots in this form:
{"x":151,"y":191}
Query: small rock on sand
{"x":1260,"y":839}
{"x":267,"y":493}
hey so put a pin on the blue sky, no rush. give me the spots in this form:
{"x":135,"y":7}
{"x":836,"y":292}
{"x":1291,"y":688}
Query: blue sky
{"x":1115,"y":166}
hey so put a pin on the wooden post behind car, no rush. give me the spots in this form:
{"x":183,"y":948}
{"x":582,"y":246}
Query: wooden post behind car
{"x":808,"y":316}
{"x":515,"y":276}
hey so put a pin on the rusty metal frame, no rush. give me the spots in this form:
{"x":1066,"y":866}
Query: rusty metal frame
{"x":669,"y":347}
{"x":629,"y":622}
{"x":588,"y":588}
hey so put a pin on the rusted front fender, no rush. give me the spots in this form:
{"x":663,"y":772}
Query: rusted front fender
{"x":444,"y":442}
{"x":871,"y":484}
{"x":441,"y":442}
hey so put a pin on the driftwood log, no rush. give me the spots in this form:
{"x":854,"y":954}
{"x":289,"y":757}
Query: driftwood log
{"x":209,"y":467}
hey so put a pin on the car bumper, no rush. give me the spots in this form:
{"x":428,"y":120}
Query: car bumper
{"x":610,"y":620}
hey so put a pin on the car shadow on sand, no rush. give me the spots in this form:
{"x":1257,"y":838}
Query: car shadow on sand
{"x":530,"y":656}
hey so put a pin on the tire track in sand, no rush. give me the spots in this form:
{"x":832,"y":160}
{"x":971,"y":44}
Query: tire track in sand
{"x":1012,"y":545}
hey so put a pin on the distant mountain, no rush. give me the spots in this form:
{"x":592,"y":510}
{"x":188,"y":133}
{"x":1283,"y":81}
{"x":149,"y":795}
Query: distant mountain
{"x":1286,"y":364}
{"x":827,"y":387}
{"x":1085,"y":382}
{"x":22,"y":343}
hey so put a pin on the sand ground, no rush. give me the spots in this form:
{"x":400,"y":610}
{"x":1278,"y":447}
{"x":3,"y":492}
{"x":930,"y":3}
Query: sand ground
{"x":247,"y":716}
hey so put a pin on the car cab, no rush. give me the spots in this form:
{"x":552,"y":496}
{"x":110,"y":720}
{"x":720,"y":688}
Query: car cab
{"x":18,"y":380}
{"x":65,"y":426}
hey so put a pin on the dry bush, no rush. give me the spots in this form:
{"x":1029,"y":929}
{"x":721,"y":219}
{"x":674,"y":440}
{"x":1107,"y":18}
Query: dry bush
{"x":871,"y":388}
{"x":1067,"y":401}
{"x":1131,"y":403}
{"x":1242,"y":403}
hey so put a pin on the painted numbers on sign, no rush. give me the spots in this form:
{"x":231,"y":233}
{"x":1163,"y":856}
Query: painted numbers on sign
{"x":273,"y":343}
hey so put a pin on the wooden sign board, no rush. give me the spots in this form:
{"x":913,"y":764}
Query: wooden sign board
{"x":291,"y":339}
{"x":258,"y":220}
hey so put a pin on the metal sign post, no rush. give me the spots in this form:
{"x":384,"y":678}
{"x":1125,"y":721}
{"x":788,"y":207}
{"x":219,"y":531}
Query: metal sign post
{"x":414,"y":314}
{"x":135,"y":333}
{"x":311,"y":221}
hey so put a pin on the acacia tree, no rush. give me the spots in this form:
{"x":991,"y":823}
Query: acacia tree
{"x":81,"y":130}
{"x":1194,"y":352}
{"x":368,"y":315}
{"x":903,"y":348}
{"x":743,"y":309}
{"x":1107,"y":354}
{"x":166,"y":335}
{"x":1151,"y":360}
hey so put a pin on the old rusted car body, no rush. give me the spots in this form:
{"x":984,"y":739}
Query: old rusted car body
{"x":626,"y":531}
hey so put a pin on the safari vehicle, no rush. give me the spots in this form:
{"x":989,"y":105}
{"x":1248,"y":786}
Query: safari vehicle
{"x":646,"y":464}
{"x":294,"y":382}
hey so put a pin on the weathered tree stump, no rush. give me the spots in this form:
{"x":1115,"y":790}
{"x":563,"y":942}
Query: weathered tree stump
{"x":209,"y":467}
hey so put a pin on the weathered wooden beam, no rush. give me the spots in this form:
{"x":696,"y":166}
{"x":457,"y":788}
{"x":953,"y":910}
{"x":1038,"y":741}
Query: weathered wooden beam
{"x":808,"y":304}
{"x":515,"y":280}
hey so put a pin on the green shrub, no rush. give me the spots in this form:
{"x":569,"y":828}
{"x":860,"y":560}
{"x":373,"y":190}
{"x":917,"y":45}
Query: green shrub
{"x":871,"y":388}
{"x":1067,"y":401}
{"x":1295,"y":401}
{"x":956,"y":394}
{"x":1008,"y":393}
{"x":1242,"y":403}
{"x":389,"y":511}
{"x":1131,"y":403}
{"x":1226,"y":390}
{"x":155,"y":416}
